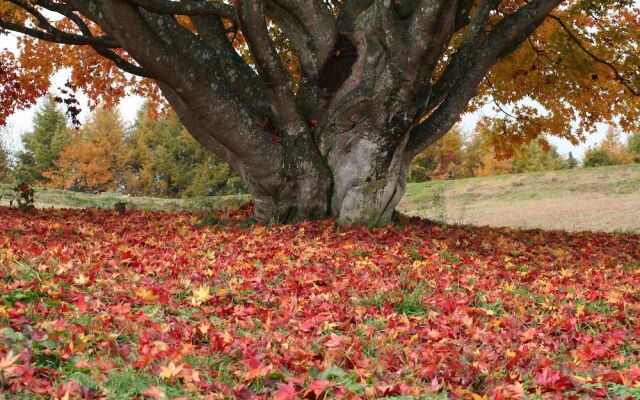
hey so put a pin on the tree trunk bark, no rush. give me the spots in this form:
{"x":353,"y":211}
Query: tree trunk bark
{"x":358,"y":182}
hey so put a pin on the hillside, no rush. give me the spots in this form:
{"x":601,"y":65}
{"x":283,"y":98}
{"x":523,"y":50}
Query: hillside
{"x":601,"y":199}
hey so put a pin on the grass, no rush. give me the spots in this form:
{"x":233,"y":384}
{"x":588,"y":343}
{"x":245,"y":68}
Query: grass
{"x":599,"y":199}
{"x":46,"y":198}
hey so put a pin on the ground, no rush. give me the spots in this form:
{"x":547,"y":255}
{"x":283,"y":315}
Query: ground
{"x":598,"y":199}
{"x":97,"y":304}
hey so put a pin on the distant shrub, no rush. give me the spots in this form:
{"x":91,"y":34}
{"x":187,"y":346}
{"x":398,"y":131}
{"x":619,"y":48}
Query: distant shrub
{"x":23,"y":197}
{"x":598,"y":158}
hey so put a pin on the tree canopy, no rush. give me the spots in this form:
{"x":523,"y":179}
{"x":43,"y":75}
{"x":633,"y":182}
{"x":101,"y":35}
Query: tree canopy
{"x":320,"y":106}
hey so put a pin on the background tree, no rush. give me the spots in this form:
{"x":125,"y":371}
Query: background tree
{"x":611,"y":151}
{"x":5,"y":160}
{"x":537,"y":156}
{"x":166,"y":161}
{"x":572,"y":162}
{"x":96,"y":158}
{"x":43,"y":144}
{"x":633,"y":146}
{"x":341,"y":95}
{"x":440,"y":159}
{"x":486,"y":153}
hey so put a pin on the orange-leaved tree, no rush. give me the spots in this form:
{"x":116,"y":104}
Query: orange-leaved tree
{"x":96,"y":159}
{"x":320,"y":105}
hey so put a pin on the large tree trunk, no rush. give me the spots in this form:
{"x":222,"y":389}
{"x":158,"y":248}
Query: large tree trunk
{"x":357,"y":182}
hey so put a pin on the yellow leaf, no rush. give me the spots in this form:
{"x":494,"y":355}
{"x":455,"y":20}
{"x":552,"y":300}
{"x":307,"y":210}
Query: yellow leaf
{"x":146,"y":294}
{"x":201,"y":295}
{"x":81,"y":280}
{"x":160,"y":345}
{"x":170,"y":371}
{"x":8,"y":360}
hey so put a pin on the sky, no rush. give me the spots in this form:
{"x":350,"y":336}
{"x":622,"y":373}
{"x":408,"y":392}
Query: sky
{"x":21,"y":121}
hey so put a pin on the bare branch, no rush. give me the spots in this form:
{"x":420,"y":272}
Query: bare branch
{"x":52,"y":34}
{"x":277,"y":79}
{"x":187,"y":7}
{"x":311,"y":28}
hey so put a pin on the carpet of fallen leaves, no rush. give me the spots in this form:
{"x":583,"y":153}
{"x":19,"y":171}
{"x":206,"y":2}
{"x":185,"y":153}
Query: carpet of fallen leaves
{"x":96,"y":304}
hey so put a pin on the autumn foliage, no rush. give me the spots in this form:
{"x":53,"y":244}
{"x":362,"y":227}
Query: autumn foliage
{"x":97,"y":304}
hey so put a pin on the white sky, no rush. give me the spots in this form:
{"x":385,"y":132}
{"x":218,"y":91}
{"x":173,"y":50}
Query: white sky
{"x":21,"y":121}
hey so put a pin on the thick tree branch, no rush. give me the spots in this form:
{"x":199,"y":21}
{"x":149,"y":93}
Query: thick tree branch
{"x":187,"y":7}
{"x":246,"y":83}
{"x":349,"y":12}
{"x":313,"y":30}
{"x":430,"y":30}
{"x":278,"y":81}
{"x":207,"y":95}
{"x":68,"y":12}
{"x":52,"y":34}
{"x":465,"y":56}
{"x":504,"y":38}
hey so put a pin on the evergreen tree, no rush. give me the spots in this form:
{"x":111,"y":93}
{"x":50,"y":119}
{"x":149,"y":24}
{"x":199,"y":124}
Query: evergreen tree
{"x":167,"y":161}
{"x":597,"y":157}
{"x":43,"y":144}
{"x":571,"y":161}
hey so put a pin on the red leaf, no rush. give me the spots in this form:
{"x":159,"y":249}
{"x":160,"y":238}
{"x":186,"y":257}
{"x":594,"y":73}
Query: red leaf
{"x":285,"y":392}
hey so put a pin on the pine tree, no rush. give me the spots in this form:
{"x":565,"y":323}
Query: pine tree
{"x":571,"y":161}
{"x":43,"y":144}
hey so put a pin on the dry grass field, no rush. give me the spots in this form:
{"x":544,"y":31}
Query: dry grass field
{"x":597,"y":199}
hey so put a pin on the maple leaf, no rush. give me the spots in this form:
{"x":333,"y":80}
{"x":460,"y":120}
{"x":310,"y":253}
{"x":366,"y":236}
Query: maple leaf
{"x":146,"y":294}
{"x":258,"y":372}
{"x":513,"y":391}
{"x":285,"y":392}
{"x":8,"y":361}
{"x":154,"y":392}
{"x":170,"y":371}
{"x":554,"y":380}
{"x":81,"y":280}
{"x":335,"y":341}
{"x":201,"y":295}
{"x":318,"y":386}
